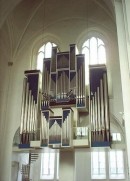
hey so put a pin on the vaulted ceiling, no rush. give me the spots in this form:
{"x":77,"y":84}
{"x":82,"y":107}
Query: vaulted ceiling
{"x":6,"y":7}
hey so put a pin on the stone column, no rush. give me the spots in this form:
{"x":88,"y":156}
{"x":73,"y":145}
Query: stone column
{"x":123,"y":31}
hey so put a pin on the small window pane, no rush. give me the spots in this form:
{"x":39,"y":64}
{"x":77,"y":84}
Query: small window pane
{"x":93,"y":51}
{"x":100,"y":42}
{"x":42,"y":49}
{"x":116,"y":165}
{"x":48,"y":49}
{"x":86,"y":52}
{"x":116,"y":136}
{"x":49,"y":165}
{"x":101,"y":55}
{"x":40,"y":61}
{"x":86,"y":44}
{"x":98,"y":169}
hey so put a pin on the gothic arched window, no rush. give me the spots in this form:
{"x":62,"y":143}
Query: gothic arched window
{"x":95,"y":53}
{"x":44,"y":52}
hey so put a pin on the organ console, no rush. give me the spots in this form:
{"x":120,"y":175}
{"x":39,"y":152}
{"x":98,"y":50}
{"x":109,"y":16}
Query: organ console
{"x":54,"y":104}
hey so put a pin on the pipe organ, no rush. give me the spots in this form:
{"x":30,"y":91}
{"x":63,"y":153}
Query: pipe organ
{"x":55,"y":109}
{"x":99,"y":106}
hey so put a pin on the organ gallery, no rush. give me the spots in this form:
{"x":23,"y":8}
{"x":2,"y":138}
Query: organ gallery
{"x":57,"y":110}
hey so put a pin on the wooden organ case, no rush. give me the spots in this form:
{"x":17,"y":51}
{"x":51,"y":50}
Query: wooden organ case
{"x":55,"y":107}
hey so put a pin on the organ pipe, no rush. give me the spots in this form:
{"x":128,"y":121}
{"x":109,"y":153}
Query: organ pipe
{"x":102,"y":105}
{"x":106,"y":105}
{"x":96,"y":116}
{"x":98,"y":109}
{"x":23,"y":105}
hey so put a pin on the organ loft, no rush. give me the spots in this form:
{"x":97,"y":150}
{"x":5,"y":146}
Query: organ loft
{"x":58,"y":111}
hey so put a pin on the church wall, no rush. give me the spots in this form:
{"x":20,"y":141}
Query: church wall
{"x":73,"y":166}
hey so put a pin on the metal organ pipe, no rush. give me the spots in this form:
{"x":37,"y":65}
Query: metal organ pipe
{"x":79,"y":87}
{"x":102,"y":105}
{"x":96,"y":122}
{"x":31,"y":119}
{"x":91,"y":118}
{"x":83,"y":68}
{"x":35,"y":118}
{"x":106,"y":104}
{"x":26,"y":107}
{"x":42,"y":127}
{"x":81,"y":77}
{"x":63,"y":90}
{"x":98,"y":112}
{"x":98,"y":109}
{"x":28,"y":112}
{"x":93,"y":112}
{"x":23,"y":105}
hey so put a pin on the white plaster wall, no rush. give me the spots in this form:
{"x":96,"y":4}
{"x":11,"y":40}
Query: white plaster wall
{"x":82,"y":165}
{"x":116,"y":103}
{"x":124,"y":64}
{"x":66,"y":167}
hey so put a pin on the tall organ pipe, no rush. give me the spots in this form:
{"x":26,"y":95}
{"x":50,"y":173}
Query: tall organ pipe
{"x":24,"y":137}
{"x":79,"y":86}
{"x":35,"y":120}
{"x":91,"y":115}
{"x":96,"y":120}
{"x":102,"y":111}
{"x":81,"y":79}
{"x":93,"y":112}
{"x":102,"y":105}
{"x":106,"y":104}
{"x":98,"y":113}
{"x":29,"y":112}
{"x":91,"y":118}
{"x":41,"y":132}
{"x":23,"y":105}
{"x":98,"y":109}
{"x":31,"y":119}
{"x":26,"y":108}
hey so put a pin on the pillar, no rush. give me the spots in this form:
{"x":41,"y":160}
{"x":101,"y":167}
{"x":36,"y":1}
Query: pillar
{"x":123,"y":31}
